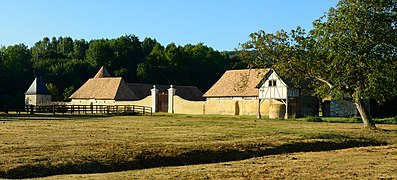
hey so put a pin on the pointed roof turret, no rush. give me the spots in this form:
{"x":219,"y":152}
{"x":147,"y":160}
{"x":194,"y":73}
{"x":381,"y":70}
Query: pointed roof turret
{"x":38,"y":87}
{"x":103,"y":72}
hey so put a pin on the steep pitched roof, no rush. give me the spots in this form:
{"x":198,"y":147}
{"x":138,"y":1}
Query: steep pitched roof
{"x":286,"y":81}
{"x":103,"y":86}
{"x":186,"y":92}
{"x":238,"y":83}
{"x":111,"y":88}
{"x":103,"y":72}
{"x":38,"y":87}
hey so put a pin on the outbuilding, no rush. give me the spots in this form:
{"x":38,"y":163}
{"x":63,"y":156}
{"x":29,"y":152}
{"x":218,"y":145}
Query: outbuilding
{"x":260,"y":92}
{"x":37,"y":94}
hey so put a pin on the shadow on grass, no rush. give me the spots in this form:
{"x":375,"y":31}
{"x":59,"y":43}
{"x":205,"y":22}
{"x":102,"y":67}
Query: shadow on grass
{"x":194,"y":157}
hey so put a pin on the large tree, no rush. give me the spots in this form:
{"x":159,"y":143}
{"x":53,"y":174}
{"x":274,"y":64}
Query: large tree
{"x":351,"y":52}
{"x":16,"y":73}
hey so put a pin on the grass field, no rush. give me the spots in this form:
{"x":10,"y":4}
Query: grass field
{"x":192,"y":147}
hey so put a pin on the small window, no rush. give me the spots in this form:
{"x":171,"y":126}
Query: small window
{"x":272,"y":83}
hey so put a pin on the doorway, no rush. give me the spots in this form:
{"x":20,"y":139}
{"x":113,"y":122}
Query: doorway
{"x":163,"y":102}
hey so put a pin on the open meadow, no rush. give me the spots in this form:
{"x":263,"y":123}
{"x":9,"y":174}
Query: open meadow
{"x":192,"y":147}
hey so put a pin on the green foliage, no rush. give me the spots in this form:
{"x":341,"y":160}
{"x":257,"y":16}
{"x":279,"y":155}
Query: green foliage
{"x":392,"y":120}
{"x":358,"y":37}
{"x":15,"y":66}
{"x":54,"y":91}
{"x":99,"y":53}
{"x":350,"y":53}
{"x":64,"y":63}
{"x":67,"y":93}
{"x":312,"y":119}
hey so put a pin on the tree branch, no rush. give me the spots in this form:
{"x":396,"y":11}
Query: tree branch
{"x":315,"y":77}
{"x":322,"y":80}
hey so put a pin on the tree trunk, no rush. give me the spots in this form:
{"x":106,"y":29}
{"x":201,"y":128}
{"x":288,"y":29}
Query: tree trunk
{"x":365,"y":116}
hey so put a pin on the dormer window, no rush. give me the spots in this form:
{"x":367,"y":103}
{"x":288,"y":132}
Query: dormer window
{"x":272,"y":83}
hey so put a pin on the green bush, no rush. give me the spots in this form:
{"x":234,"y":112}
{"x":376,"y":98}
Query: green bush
{"x":392,"y":120}
{"x":354,"y":120}
{"x":313,"y":119}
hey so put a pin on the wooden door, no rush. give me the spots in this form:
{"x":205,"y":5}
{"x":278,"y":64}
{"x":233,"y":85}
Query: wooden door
{"x":163,"y":102}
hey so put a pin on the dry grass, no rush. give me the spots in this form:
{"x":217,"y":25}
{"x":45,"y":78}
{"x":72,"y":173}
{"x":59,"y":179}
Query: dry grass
{"x":37,"y":148}
{"x":353,"y":163}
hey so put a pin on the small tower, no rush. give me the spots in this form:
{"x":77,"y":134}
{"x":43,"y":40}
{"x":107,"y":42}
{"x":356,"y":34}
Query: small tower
{"x":37,"y":94}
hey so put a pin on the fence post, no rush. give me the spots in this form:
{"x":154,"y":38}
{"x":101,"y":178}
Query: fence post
{"x":53,"y":109}
{"x":31,"y":109}
{"x":6,"y":109}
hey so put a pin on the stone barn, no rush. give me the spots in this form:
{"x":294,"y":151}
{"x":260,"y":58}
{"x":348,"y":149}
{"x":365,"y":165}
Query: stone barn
{"x":258,"y":92}
{"x":103,"y":89}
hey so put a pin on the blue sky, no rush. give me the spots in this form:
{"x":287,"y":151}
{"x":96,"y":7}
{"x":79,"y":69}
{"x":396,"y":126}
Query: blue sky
{"x":220,"y":24}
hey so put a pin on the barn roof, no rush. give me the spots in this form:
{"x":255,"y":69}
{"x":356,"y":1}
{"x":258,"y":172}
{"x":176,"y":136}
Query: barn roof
{"x":102,"y":86}
{"x":103,"y":72}
{"x":38,"y":87}
{"x":238,"y":83}
{"x":186,"y":92}
{"x":109,"y":88}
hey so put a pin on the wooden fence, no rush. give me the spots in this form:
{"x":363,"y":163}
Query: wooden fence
{"x":78,"y":109}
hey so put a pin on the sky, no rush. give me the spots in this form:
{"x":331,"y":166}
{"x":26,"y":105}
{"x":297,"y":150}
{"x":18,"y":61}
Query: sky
{"x":220,"y":24}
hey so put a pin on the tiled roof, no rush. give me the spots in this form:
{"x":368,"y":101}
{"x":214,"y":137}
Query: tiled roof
{"x":102,"y":86}
{"x":38,"y":87}
{"x":103,"y":72}
{"x":110,"y":88}
{"x":238,"y":83}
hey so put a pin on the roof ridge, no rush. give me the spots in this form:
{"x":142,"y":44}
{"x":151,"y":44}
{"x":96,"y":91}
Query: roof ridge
{"x":103,"y":72}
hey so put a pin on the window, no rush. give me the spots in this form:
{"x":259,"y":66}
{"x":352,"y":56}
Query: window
{"x":272,"y":83}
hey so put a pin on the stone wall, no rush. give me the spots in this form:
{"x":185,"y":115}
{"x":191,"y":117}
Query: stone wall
{"x":183,"y":106}
{"x":143,"y":102}
{"x":342,"y":108}
{"x":236,"y":107}
{"x":37,"y":99}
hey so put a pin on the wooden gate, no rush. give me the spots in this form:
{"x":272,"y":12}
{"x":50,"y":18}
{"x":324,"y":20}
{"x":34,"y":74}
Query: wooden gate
{"x":163,"y":102}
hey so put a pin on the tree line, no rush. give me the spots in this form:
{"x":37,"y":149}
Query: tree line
{"x":65,"y":64}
